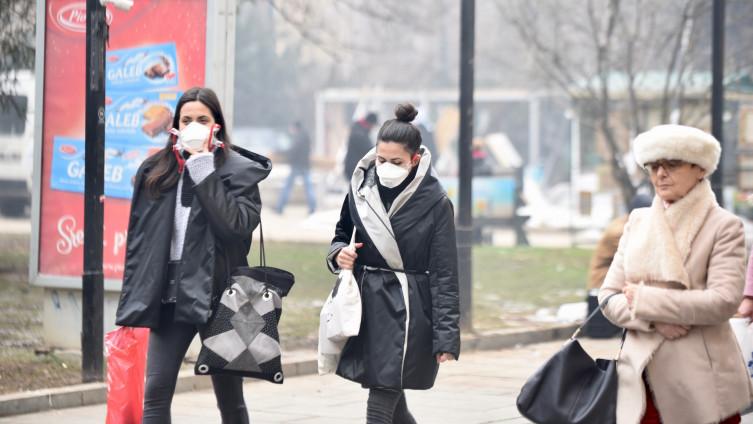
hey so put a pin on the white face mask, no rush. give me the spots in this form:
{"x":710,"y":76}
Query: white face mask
{"x":194,"y":135}
{"x":391,"y":175}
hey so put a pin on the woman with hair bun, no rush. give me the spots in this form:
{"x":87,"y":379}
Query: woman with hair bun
{"x":405,"y":260}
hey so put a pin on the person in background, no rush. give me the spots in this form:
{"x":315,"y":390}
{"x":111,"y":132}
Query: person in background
{"x":359,"y":142}
{"x":195,"y":204}
{"x":406,"y":266}
{"x":427,"y":140}
{"x":483,"y":163}
{"x":675,"y":282}
{"x":601,"y":259}
{"x":299,"y":158}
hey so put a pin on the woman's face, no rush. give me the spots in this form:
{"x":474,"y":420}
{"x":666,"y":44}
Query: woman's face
{"x":396,"y":153}
{"x":195,"y":111}
{"x":673,"y":179}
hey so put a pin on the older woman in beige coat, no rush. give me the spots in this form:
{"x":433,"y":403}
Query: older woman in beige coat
{"x":680,"y":267}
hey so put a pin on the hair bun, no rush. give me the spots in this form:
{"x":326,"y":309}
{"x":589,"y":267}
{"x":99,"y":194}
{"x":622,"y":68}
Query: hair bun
{"x":405,"y":112}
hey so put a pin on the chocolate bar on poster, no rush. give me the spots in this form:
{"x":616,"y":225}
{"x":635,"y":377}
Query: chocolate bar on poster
{"x":144,"y":68}
{"x":146,"y":116}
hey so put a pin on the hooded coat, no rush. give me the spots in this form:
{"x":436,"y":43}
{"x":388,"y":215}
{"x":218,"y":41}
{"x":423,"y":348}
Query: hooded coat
{"x":410,"y":314}
{"x":225,"y":210}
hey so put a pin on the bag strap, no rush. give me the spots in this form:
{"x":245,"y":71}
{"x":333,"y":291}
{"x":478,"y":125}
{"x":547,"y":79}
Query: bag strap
{"x":353,"y":237}
{"x":622,"y":343}
{"x":595,"y":311}
{"x":263,"y":255}
{"x":262,"y":252}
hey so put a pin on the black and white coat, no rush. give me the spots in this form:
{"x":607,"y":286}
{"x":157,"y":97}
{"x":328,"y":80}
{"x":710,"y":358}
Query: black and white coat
{"x":409,"y":253}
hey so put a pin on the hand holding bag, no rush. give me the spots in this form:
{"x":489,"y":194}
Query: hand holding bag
{"x":572,"y":387}
{"x":339,"y":319}
{"x":241,"y":337}
{"x":344,"y":317}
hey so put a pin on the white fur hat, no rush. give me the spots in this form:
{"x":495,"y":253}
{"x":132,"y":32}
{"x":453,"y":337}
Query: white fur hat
{"x":677,"y":142}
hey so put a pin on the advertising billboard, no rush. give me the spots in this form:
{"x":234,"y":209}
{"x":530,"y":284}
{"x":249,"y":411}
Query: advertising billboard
{"x":155,"y":52}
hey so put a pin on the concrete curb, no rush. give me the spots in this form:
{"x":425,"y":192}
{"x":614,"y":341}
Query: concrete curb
{"x":505,"y":339}
{"x":96,"y":393}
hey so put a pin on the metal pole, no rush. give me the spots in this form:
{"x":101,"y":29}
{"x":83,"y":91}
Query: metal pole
{"x":574,"y":174}
{"x":92,"y":324}
{"x":717,"y":93}
{"x":465,"y":219}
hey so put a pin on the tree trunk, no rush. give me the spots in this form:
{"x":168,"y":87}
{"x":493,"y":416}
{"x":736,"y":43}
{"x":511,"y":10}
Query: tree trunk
{"x":619,"y":173}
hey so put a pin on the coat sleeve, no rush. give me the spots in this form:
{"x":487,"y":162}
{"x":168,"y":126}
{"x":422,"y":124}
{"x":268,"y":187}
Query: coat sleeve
{"x":343,"y":232}
{"x":710,"y":306}
{"x":136,"y":204}
{"x":617,"y":310}
{"x":232,"y":203}
{"x":138,"y":181}
{"x":443,"y":277}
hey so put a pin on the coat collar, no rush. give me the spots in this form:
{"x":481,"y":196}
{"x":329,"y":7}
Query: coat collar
{"x":660,"y":243}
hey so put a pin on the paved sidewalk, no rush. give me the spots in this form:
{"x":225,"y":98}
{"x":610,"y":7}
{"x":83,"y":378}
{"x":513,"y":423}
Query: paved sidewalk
{"x":480,"y":388}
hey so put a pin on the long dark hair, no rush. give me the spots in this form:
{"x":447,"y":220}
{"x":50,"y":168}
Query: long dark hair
{"x":164,"y":173}
{"x":400,"y":130}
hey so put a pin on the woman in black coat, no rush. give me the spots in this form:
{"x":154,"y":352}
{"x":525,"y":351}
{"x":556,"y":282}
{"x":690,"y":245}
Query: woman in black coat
{"x":405,"y":260}
{"x":195,"y":204}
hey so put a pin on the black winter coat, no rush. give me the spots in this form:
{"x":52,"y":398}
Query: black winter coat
{"x":225,"y":210}
{"x":425,"y":232}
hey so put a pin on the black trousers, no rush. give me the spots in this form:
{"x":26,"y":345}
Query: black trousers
{"x":388,"y":407}
{"x":167,"y":347}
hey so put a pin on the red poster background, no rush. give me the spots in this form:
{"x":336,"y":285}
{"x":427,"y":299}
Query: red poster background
{"x":148,"y":22}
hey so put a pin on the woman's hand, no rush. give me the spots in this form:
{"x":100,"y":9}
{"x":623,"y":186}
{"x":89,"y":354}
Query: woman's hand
{"x":671,"y":331}
{"x":444,"y":357}
{"x":629,"y":292}
{"x":746,"y":308}
{"x":346,"y":258}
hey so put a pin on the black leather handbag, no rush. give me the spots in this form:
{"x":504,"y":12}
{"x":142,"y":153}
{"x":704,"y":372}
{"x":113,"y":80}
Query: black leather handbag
{"x":241,"y":337}
{"x":572,"y":387}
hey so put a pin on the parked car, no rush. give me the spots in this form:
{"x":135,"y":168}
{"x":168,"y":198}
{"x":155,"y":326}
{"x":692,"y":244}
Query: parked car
{"x":17,"y":146}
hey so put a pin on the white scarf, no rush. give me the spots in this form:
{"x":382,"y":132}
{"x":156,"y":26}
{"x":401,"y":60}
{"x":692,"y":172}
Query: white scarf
{"x":659,"y":245}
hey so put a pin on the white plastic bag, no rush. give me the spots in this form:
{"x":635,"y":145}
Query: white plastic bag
{"x":744,"y":335}
{"x":344,"y":319}
{"x":339,"y":319}
{"x":328,"y":350}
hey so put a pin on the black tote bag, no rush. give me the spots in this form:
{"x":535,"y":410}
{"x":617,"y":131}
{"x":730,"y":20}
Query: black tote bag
{"x":571,"y":387}
{"x":241,"y":337}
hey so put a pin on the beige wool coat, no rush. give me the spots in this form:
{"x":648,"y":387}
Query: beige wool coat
{"x":689,"y":263}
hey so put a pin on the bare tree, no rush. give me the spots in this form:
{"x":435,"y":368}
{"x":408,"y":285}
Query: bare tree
{"x":590,"y":49}
{"x":16,"y":46}
{"x":289,"y":49}
{"x":318,"y":23}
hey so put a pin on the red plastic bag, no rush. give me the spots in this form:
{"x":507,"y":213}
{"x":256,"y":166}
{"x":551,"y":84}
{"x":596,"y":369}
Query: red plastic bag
{"x":126,"y":365}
